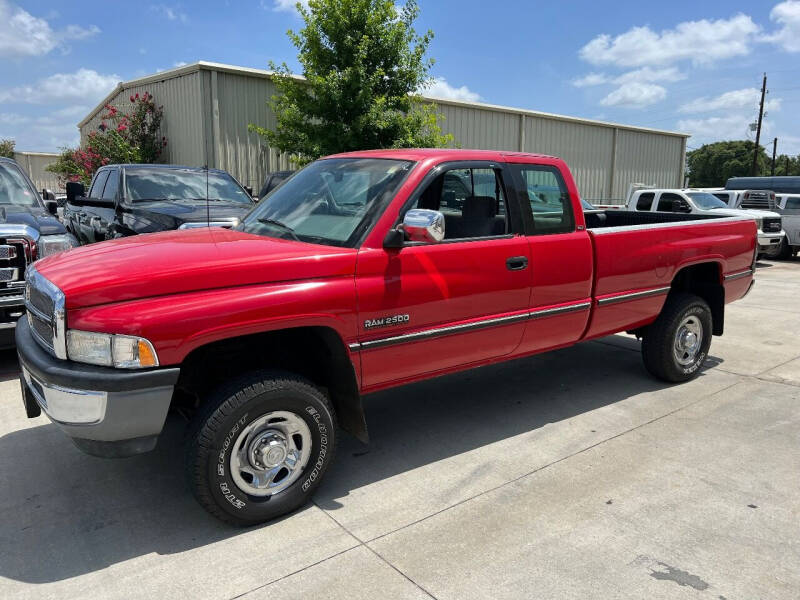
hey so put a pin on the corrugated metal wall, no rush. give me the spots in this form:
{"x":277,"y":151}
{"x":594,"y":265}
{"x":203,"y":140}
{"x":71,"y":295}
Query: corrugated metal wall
{"x":647,"y":158}
{"x":34,"y":164}
{"x":182,"y":124}
{"x":480,"y":129}
{"x":206,"y":113}
{"x":241,"y":101}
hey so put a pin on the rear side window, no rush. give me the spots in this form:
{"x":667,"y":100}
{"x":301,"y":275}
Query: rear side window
{"x":96,"y":191}
{"x":112,"y":185}
{"x":548,"y":197}
{"x":793,"y":202}
{"x":645,"y":201}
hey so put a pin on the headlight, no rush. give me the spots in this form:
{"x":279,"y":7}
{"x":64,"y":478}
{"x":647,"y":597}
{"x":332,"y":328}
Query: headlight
{"x":53,"y":244}
{"x":120,"y":351}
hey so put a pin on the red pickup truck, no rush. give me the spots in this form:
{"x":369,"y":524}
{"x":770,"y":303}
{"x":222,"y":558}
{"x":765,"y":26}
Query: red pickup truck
{"x":362,"y":271}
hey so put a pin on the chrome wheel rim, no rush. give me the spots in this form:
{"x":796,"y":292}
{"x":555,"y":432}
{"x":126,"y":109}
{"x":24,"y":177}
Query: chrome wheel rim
{"x":270,"y":453}
{"x":688,"y":340}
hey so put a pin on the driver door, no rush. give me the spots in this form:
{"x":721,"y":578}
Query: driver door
{"x":427,"y":308}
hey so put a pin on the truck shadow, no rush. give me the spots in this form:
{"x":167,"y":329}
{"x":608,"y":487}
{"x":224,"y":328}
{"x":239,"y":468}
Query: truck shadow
{"x":66,"y":514}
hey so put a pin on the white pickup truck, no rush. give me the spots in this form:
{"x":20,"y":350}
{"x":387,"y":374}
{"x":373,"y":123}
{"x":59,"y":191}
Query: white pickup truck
{"x":788,"y":205}
{"x":695,"y":201}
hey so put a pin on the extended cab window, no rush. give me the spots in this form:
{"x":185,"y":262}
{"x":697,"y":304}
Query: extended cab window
{"x":793,"y":202}
{"x":472,"y":201}
{"x":549,"y":199}
{"x":645,"y":201}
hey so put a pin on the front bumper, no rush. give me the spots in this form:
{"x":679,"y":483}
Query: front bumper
{"x":107,"y":412}
{"x":770,"y":240}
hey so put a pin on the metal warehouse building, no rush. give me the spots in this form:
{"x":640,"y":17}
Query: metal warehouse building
{"x":207,"y":108}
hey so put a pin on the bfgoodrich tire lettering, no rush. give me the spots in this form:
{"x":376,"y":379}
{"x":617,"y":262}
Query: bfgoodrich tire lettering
{"x":682,"y":313}
{"x":218,"y":427}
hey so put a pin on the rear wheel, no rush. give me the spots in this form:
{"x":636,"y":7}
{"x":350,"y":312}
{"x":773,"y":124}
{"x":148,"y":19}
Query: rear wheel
{"x":260,"y":447}
{"x":676,"y":345}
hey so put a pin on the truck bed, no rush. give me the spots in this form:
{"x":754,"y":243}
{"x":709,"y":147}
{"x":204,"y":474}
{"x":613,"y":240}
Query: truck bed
{"x":597,"y":219}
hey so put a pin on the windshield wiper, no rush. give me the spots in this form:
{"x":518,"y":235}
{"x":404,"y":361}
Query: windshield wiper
{"x":279,"y":225}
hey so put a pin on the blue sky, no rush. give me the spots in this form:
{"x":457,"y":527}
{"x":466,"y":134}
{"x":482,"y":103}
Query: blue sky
{"x":688,"y":66}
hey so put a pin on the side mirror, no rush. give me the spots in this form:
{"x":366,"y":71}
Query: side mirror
{"x":52,"y":206}
{"x":48,"y":195}
{"x":678,"y":206}
{"x":75,"y":190}
{"x":423,"y":225}
{"x":249,"y":190}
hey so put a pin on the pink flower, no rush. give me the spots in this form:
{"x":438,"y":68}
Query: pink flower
{"x":132,"y":100}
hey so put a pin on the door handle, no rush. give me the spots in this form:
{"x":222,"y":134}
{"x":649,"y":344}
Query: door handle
{"x":517,"y":263}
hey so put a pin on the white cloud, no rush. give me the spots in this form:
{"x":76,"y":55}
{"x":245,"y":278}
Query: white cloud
{"x":284,"y":5}
{"x":22,"y":34}
{"x":643,"y":75}
{"x":635,"y":95}
{"x":13,"y":119}
{"x":441,"y":89}
{"x":590,"y":79}
{"x":701,"y":42}
{"x":787,"y":14}
{"x":170,"y":13}
{"x":731,"y":127}
{"x":84,"y":85}
{"x":744,"y":98}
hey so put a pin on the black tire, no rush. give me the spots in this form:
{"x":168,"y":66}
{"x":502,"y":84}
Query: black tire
{"x":658,"y":352}
{"x":785,"y":250}
{"x":218,"y":426}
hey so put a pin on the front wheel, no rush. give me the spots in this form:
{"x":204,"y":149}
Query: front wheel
{"x":676,"y":345}
{"x":260,"y":447}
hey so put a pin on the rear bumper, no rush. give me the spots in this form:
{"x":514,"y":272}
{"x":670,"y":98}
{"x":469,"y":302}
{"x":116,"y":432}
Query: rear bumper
{"x":107,"y":412}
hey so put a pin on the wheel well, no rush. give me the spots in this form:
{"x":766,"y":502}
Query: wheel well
{"x":316,"y":353}
{"x":704,"y":280}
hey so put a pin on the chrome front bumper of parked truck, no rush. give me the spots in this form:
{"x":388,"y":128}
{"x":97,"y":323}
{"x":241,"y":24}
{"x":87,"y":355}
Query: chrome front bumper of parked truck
{"x":107,"y":412}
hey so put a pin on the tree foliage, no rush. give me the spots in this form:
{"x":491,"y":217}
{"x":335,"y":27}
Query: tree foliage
{"x":121,"y":138}
{"x":363,"y":64}
{"x":711,"y":165}
{"x":7,"y":148}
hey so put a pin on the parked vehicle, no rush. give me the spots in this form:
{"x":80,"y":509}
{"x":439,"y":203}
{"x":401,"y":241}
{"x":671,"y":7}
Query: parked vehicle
{"x":786,"y":184}
{"x":789,"y":209}
{"x":695,"y":201}
{"x":28,"y":230}
{"x":126,"y":200}
{"x":359,"y":274}
{"x":272,"y":181}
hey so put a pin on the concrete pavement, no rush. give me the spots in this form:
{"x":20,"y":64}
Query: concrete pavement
{"x":568,"y":475}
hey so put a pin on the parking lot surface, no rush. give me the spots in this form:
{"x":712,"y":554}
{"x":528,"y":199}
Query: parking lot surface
{"x":572,"y":474}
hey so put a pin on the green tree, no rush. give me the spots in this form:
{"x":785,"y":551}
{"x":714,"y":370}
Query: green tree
{"x":7,"y":148}
{"x":786,"y":165}
{"x":712,"y":164}
{"x":363,"y":64}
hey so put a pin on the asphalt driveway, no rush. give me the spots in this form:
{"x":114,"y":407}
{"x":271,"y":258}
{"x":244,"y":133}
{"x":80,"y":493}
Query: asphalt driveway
{"x":568,"y":475}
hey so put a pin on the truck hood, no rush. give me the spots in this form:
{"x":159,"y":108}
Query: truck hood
{"x":175,"y":262}
{"x":742,"y":212}
{"x":32,"y":216}
{"x":160,"y":215}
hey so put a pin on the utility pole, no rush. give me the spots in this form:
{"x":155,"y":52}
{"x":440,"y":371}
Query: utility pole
{"x":774,"y":149}
{"x":758,"y":129}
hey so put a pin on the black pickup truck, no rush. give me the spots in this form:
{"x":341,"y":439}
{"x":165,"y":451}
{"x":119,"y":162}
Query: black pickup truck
{"x":28,"y":230}
{"x":127,"y":200}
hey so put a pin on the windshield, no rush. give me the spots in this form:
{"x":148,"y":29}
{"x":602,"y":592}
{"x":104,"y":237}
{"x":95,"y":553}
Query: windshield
{"x":331,"y":201}
{"x":181,"y":184}
{"x":706,"y":201}
{"x":14,"y":187}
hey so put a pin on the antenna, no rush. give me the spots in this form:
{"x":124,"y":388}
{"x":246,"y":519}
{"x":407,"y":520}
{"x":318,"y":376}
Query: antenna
{"x":208,"y":210}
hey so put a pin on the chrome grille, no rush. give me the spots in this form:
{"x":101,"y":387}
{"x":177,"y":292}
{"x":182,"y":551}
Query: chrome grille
{"x":15,"y":255}
{"x":46,"y":313}
{"x":771,"y":225}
